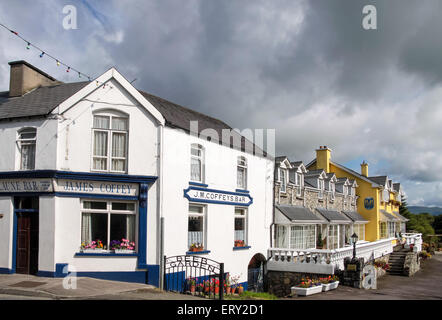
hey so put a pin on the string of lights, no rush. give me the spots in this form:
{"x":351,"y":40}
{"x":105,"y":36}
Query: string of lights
{"x":44,"y":53}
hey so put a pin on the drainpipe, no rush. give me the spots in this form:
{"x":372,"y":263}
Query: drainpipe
{"x":160,"y":237}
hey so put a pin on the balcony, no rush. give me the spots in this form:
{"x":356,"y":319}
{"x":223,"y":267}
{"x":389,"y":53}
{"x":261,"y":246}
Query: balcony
{"x":412,"y":240}
{"x":324,"y":261}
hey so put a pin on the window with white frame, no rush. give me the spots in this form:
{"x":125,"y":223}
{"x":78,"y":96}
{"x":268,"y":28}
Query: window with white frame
{"x":299,"y":184}
{"x":283,"y":179}
{"x":333,"y":236}
{"x":26,"y":142}
{"x":107,"y":222}
{"x":240,"y":237}
{"x":282,"y":236}
{"x":391,"y":229}
{"x":386,"y":195}
{"x":321,"y":188}
{"x":241,"y":170}
{"x":196,"y":163}
{"x":359,"y":229}
{"x":383,"y":230}
{"x":110,"y":136}
{"x":302,"y":237}
{"x":332,"y":190}
{"x":196,"y":226}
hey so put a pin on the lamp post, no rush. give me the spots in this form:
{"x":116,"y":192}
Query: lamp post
{"x":354,"y":238}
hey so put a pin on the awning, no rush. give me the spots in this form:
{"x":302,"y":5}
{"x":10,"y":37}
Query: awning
{"x":400,"y":217}
{"x":333,"y":216}
{"x":298,"y":214}
{"x":355,"y":217}
{"x":387,"y":217}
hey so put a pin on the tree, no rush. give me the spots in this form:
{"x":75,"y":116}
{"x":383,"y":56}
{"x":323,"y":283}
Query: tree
{"x":437,"y":224}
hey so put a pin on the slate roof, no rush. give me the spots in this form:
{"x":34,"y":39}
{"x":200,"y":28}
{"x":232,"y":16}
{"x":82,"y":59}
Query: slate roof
{"x":298,"y":213}
{"x":354,"y":216}
{"x":333,"y":216}
{"x":42,"y":100}
{"x":38,"y":102}
{"x":381,"y":180}
{"x":385,"y":216}
{"x":401,"y":217}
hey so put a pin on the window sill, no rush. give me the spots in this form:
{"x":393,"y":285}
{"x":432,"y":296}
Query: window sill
{"x":242,"y":248}
{"x":242,"y":190}
{"x":198,"y":252}
{"x":198,"y":184}
{"x":105,"y":254}
{"x":300,"y":197}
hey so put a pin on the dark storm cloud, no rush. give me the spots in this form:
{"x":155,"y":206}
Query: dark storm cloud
{"x":306,"y":68}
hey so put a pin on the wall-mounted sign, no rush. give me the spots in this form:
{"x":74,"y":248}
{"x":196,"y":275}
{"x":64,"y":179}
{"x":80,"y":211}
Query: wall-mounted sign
{"x":51,"y":185}
{"x":26,"y":185}
{"x":96,"y":187}
{"x":369,"y":203}
{"x":205,"y":195}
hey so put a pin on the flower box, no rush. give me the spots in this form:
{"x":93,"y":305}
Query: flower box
{"x":93,"y":250}
{"x":123,"y":251}
{"x":330,"y":286}
{"x":306,"y":291}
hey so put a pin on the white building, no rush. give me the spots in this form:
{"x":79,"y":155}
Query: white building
{"x":101,"y":160}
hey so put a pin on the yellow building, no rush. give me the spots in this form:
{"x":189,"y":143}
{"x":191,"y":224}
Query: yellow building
{"x":378,"y":197}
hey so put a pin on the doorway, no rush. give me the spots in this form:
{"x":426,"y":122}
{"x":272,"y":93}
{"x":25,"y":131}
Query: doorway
{"x":256,"y":273}
{"x":26,"y":255}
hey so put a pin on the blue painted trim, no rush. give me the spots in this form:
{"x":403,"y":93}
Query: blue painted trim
{"x":6,"y":271}
{"x":142,"y":226}
{"x":198,"y":184}
{"x":198,"y":252}
{"x":96,"y":176}
{"x":153,"y":275}
{"x":242,"y":248}
{"x":26,"y":210}
{"x":14,"y":239}
{"x":105,"y":254}
{"x":216,"y":201}
{"x":59,"y":270}
{"x":125,"y":276}
{"x":46,"y":274}
{"x":92,"y":196}
{"x":242,"y":190}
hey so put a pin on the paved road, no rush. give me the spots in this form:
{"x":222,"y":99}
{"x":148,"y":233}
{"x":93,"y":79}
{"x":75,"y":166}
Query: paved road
{"x":426,"y":284}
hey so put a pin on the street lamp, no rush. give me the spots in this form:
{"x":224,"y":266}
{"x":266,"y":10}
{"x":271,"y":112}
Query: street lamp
{"x":354,"y":238}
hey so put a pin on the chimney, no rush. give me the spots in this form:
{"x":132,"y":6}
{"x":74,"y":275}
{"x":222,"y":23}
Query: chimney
{"x":323,"y":155}
{"x":364,"y":168}
{"x":24,"y":77}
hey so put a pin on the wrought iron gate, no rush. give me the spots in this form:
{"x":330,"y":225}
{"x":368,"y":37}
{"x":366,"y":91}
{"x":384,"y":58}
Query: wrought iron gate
{"x":255,"y":279}
{"x":194,"y":275}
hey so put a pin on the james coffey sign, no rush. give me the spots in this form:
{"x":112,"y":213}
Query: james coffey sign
{"x":197,"y":194}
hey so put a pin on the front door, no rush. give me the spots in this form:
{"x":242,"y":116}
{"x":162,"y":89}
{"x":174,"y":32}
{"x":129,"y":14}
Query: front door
{"x":26,"y":210}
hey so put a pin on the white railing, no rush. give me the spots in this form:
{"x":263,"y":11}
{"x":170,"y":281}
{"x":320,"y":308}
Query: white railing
{"x":414,"y":239}
{"x":324,"y":261}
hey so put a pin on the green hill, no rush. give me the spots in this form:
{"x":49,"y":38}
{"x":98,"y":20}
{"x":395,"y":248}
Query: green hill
{"x":435,"y":211}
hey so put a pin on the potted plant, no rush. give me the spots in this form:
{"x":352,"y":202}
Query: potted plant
{"x":307,"y":287}
{"x":191,"y":283}
{"x":93,"y":246}
{"x":239,"y":243}
{"x":195,"y":247}
{"x":227,"y":285}
{"x":329,"y":283}
{"x":123,"y":246}
{"x":235,"y":285}
{"x":240,"y":289}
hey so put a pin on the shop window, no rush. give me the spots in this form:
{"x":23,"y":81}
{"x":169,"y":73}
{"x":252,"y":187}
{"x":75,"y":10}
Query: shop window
{"x":196,"y":228}
{"x":241,"y":170}
{"x":197,"y":163}
{"x":108,"y":223}
{"x":240,"y":238}
{"x":110,"y":136}
{"x":26,"y":142}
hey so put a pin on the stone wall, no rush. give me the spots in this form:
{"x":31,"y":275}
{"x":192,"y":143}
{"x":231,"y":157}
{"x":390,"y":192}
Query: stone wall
{"x":279,"y":283}
{"x":411,"y":264}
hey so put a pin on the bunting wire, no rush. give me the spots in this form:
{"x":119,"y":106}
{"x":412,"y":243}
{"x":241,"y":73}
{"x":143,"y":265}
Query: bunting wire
{"x":44,"y":53}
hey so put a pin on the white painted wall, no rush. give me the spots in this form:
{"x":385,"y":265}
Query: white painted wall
{"x":47,"y":227}
{"x":46,"y":144}
{"x":6,"y":232}
{"x":220,"y":173}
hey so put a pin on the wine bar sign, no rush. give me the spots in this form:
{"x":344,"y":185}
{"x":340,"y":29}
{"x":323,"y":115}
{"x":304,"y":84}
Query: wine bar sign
{"x":197,"y":194}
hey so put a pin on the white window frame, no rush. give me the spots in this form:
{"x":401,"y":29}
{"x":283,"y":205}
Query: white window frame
{"x":109,"y":211}
{"x":28,"y":142}
{"x":200,"y":158}
{"x":245,"y":218}
{"x":283,"y":183}
{"x":299,"y":184}
{"x":321,"y":187}
{"x":242,"y":165}
{"x":203,"y":214}
{"x":110,"y":135}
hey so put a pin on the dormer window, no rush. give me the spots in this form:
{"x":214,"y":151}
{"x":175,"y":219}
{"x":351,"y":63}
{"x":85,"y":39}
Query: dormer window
{"x":332,"y":190}
{"x":110,"y":135}
{"x":386,"y":195}
{"x":26,"y":143}
{"x":283,"y":179}
{"x":299,"y":184}
{"x":344,"y":190}
{"x":321,"y":188}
